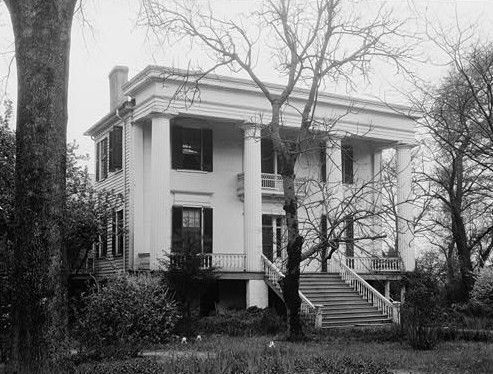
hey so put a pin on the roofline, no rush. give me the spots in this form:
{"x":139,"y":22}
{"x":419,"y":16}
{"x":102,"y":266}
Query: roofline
{"x":155,"y":73}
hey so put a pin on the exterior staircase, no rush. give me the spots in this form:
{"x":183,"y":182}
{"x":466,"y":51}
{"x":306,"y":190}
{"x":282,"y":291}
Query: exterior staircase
{"x":337,"y":299}
{"x":340,"y":305}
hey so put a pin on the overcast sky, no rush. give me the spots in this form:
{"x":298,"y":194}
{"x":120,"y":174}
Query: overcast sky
{"x":113,"y":38}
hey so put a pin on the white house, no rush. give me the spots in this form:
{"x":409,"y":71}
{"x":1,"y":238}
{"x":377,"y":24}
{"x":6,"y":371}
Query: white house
{"x":200,"y":169}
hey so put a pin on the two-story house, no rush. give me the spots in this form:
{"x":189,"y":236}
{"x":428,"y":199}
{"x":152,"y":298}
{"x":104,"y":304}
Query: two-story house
{"x":201,"y":169}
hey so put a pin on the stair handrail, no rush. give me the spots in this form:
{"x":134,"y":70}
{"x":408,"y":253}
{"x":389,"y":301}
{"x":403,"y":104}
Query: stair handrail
{"x":274,"y":275}
{"x":368,"y":292}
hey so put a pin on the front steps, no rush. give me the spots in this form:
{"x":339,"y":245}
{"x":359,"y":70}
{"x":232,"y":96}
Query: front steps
{"x":341,"y":305}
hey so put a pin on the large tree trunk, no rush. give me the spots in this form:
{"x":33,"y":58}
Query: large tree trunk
{"x":291,"y":282}
{"x":42,"y":44}
{"x":463,"y":253}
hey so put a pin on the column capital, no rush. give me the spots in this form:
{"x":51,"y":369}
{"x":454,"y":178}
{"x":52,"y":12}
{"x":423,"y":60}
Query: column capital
{"x":252,"y":130}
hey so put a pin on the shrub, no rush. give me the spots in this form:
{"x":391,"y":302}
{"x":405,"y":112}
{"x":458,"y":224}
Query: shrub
{"x":482,"y":292}
{"x":126,"y":315}
{"x":249,"y":322}
{"x":421,"y":311}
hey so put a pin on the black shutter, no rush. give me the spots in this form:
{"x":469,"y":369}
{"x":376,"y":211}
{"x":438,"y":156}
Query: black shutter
{"x":347,"y":164}
{"x":98,"y":159}
{"x":323,"y":239}
{"x":208,"y":230}
{"x":267,"y":152}
{"x":323,"y":163}
{"x":113,"y":232}
{"x":176,"y":229}
{"x":207,"y":149}
{"x":349,"y":236}
{"x":111,"y":136}
{"x":176,"y":144}
{"x":104,"y":238}
{"x":116,"y":137}
{"x":104,"y":158}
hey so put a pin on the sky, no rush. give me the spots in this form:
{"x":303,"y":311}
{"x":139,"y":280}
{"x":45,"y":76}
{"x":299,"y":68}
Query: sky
{"x":112,"y":36}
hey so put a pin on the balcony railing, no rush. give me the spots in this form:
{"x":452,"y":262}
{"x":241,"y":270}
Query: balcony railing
{"x":374,"y":264}
{"x":231,"y":262}
{"x":271,"y":184}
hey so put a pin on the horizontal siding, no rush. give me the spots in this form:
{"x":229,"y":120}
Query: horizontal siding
{"x":114,"y":184}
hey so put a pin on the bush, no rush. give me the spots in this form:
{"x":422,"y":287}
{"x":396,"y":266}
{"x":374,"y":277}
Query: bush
{"x":420,"y":312}
{"x":482,"y":292}
{"x":126,"y":315}
{"x":249,"y":322}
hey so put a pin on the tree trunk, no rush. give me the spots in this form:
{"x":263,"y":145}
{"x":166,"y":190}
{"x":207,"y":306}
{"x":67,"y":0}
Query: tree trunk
{"x":42,"y":44}
{"x":291,"y":282}
{"x":463,"y":253}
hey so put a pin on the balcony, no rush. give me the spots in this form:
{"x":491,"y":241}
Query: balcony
{"x":369,"y":265}
{"x":229,"y":262}
{"x":271,"y":184}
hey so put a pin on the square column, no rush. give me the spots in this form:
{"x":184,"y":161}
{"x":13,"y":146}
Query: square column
{"x":160,"y":195}
{"x":405,"y":233}
{"x":136,"y":221}
{"x":252,"y":203}
{"x":377,"y":200}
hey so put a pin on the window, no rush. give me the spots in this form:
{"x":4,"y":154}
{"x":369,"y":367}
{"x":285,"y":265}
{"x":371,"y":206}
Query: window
{"x":272,"y":235}
{"x":102,"y":159}
{"x":347,"y":156}
{"x":117,"y":236}
{"x":192,"y":148}
{"x":349,"y":236}
{"x":109,"y":153}
{"x":192,"y":227}
{"x":102,"y":244}
{"x":270,"y":159}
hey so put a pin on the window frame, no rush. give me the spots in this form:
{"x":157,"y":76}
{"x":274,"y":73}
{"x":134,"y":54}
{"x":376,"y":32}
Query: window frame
{"x":118,"y":232}
{"x":206,"y":227}
{"x":206,"y":143}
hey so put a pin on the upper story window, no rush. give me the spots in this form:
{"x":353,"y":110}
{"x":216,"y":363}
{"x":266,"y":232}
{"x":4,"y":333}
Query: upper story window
{"x":270,"y":159}
{"x":349,"y":235}
{"x":347,"y":158}
{"x":192,"y":148}
{"x":109,"y":153}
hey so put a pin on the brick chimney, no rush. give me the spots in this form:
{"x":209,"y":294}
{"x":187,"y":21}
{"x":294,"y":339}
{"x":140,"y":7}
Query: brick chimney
{"x":118,"y":77}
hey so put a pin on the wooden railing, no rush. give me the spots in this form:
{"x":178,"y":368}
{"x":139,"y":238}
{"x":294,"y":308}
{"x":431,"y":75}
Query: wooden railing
{"x":225,"y":261}
{"x":235,"y":262}
{"x":270,"y":183}
{"x":374,"y":264}
{"x":370,"y":294}
{"x":274,"y":275}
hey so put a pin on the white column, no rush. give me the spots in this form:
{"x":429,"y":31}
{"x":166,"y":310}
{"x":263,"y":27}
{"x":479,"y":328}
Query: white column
{"x":404,"y":207}
{"x":377,"y":200}
{"x":252,"y":203}
{"x":160,"y":188}
{"x":257,"y":293}
{"x":136,"y":221}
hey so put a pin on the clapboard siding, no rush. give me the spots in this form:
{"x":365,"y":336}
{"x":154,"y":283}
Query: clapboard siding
{"x":114,"y":184}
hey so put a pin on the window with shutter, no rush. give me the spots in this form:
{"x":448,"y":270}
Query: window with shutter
{"x":192,"y":148}
{"x":192,"y":227}
{"x":102,"y":245}
{"x":104,"y":158}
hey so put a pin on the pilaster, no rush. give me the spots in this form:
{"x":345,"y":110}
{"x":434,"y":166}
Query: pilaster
{"x":404,"y":206}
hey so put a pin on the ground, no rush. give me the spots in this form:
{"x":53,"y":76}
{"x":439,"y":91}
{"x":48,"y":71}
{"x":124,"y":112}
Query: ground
{"x":329,"y":353}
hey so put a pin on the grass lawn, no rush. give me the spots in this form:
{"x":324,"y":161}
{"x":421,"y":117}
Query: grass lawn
{"x":336,"y":352}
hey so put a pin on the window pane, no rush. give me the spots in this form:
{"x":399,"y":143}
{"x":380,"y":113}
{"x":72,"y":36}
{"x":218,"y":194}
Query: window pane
{"x":192,"y":228}
{"x":192,"y":149}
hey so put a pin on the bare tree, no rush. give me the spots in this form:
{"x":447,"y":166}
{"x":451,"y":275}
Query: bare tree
{"x":459,"y":171}
{"x":312,"y":44}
